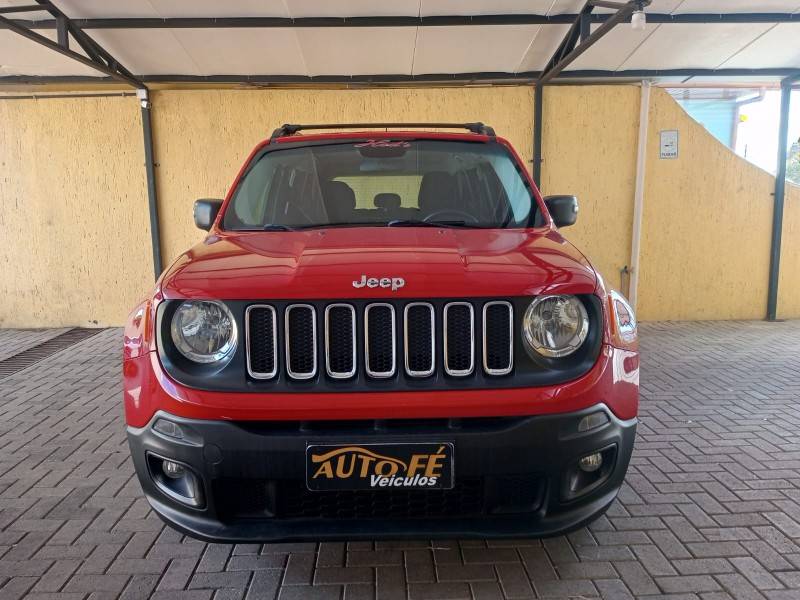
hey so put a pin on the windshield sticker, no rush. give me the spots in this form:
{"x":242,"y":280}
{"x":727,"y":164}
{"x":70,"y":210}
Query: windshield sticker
{"x":383,"y":144}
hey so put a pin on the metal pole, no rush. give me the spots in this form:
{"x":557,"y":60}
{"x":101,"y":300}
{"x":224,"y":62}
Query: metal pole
{"x":538,"y":107}
{"x":780,"y":190}
{"x":152,"y":198}
{"x":638,"y":198}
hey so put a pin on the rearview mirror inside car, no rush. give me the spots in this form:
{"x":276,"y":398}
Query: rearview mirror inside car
{"x":563,"y":209}
{"x":205,"y":212}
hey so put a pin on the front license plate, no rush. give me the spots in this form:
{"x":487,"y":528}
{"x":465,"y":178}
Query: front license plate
{"x":379,"y":466}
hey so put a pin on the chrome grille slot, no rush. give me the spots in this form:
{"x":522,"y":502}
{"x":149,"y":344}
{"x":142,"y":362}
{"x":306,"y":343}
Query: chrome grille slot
{"x":459,"y":339}
{"x":419,"y":339}
{"x":301,"y":341}
{"x":340,"y":341}
{"x":262,"y":341}
{"x":498,"y":338}
{"x":380,"y":343}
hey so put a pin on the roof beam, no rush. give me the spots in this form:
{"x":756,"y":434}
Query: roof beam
{"x":578,"y":31}
{"x":577,"y":76}
{"x":65,"y":27}
{"x":18,"y":9}
{"x":96,"y":57}
{"x":570,"y":50}
{"x":398,"y":21}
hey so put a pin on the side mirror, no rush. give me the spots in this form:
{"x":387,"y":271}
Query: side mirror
{"x":205,"y":212}
{"x":563,"y":209}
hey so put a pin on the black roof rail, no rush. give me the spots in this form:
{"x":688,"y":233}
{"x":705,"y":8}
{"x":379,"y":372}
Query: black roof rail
{"x":290,"y":129}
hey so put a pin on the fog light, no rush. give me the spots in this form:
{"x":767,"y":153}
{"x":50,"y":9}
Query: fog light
{"x":590,"y":464}
{"x":172,"y":469}
{"x":169,"y":429}
{"x":591,"y":421}
{"x":177,"y":480}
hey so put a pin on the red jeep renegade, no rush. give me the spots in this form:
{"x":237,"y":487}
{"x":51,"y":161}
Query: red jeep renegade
{"x":384,"y":335}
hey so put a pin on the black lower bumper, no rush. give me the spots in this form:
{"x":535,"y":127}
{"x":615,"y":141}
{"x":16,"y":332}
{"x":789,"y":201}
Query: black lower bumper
{"x":514,"y":477}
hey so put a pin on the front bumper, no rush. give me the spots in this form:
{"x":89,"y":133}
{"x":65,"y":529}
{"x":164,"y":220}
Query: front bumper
{"x":512,"y":478}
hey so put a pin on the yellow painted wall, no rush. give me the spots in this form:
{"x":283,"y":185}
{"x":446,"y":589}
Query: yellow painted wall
{"x":589,"y":149}
{"x":789,"y":281}
{"x":76,"y":247}
{"x":73,"y":212}
{"x":706,"y":226}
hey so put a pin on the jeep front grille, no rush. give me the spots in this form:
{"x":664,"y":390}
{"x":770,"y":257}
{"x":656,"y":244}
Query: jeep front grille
{"x":368,"y":339}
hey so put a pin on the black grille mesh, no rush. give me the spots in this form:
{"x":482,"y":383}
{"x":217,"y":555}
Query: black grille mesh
{"x":419,"y":333}
{"x":498,"y":337}
{"x":236,"y":498}
{"x":301,"y":340}
{"x":380,"y":339}
{"x":341,"y":326}
{"x":261,"y":340}
{"x":459,"y":337}
{"x":295,"y":501}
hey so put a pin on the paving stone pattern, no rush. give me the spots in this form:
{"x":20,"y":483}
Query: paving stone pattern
{"x":711,"y":509}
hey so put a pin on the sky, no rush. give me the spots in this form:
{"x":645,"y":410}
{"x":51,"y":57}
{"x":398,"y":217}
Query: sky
{"x":757,"y":139}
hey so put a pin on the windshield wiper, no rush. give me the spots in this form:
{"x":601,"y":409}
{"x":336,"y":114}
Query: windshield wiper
{"x":419,"y":223}
{"x":275,"y":227}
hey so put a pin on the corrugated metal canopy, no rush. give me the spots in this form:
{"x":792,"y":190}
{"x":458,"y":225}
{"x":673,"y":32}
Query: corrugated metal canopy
{"x":156,"y":51}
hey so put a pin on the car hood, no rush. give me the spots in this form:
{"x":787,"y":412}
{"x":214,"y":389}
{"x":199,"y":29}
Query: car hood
{"x":433,"y":262}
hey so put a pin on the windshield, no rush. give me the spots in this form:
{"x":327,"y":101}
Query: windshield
{"x":412,"y":183}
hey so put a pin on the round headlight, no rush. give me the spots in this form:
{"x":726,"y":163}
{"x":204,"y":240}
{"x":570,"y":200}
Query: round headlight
{"x":555,"y":326}
{"x":204,"y":331}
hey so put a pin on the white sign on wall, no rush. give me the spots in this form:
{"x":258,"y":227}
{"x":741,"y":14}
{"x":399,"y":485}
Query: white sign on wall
{"x":669,"y":143}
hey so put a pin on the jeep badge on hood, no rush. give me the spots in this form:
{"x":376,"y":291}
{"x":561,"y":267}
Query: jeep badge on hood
{"x":385,"y":282}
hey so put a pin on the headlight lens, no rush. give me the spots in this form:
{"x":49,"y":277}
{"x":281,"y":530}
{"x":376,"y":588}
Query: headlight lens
{"x":204,"y":331}
{"x":555,"y":326}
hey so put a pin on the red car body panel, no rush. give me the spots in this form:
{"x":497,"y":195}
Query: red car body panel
{"x":434,"y":263}
{"x":322,"y":263}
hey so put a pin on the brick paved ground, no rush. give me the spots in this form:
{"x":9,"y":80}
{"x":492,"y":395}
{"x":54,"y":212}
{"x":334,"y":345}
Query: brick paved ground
{"x":711,"y":509}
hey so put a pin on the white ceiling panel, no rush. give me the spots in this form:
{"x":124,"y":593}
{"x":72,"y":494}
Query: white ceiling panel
{"x":460,"y":50}
{"x":35,"y":15}
{"x":19,"y":56}
{"x":482,"y":7}
{"x":95,"y":9}
{"x":562,"y":7}
{"x":542,"y":47}
{"x":613,"y":49}
{"x":777,"y":48}
{"x":90,"y":9}
{"x":215,"y":8}
{"x":692,"y":46}
{"x":352,"y":8}
{"x":404,"y":50}
{"x":150,"y":51}
{"x":359,"y":51}
{"x":735,"y":6}
{"x":243,"y":51}
{"x":749,"y":80}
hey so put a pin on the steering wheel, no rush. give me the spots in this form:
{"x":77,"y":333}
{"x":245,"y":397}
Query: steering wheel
{"x":467,"y":218}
